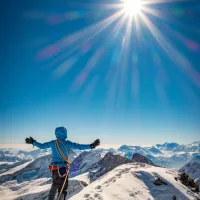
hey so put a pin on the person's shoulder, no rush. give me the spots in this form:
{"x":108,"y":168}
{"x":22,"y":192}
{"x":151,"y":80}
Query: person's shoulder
{"x":68,"y":142}
{"x":52,"y":141}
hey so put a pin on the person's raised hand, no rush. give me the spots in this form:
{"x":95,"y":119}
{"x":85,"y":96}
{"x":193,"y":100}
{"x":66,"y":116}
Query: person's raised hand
{"x":29,"y":140}
{"x":95,"y":144}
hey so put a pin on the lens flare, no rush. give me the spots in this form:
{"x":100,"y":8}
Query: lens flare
{"x":128,"y":26}
{"x":132,"y":7}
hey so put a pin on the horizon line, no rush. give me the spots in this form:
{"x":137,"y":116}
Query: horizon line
{"x":105,"y":146}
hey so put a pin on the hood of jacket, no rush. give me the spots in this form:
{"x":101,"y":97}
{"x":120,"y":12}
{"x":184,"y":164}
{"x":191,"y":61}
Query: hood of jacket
{"x":61,"y":133}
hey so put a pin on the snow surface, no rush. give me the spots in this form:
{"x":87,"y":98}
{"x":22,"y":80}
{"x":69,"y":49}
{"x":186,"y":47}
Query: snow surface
{"x":83,"y":162}
{"x":192,"y":169}
{"x":83,"y":177}
{"x":37,"y":189}
{"x":29,"y":189}
{"x":135,"y":181}
{"x":128,"y":181}
{"x":15,"y":169}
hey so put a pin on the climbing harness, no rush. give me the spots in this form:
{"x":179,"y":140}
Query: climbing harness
{"x":53,"y":168}
{"x":65,"y":158}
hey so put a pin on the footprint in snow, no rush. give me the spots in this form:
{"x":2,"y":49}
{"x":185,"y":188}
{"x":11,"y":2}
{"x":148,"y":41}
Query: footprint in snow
{"x":90,"y":198}
{"x":105,"y":182}
{"x":98,"y":196}
{"x":114,"y":180}
{"x":86,"y":195}
{"x":110,"y":180}
{"x":119,"y":175}
{"x":98,"y":187}
{"x":133,"y":194}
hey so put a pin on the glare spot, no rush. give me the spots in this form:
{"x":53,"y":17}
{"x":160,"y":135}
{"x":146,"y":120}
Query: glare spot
{"x":132,"y":7}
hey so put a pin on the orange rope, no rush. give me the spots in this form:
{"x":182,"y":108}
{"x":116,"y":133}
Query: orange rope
{"x":62,"y":155}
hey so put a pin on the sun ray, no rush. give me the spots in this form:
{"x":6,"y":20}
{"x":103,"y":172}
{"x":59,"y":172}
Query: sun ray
{"x":80,"y":36}
{"x":97,"y":55}
{"x":137,"y":26}
{"x":106,"y":24}
{"x":172,"y":52}
{"x":154,"y":12}
{"x":129,"y":21}
{"x":83,"y":75}
{"x":116,"y":30}
{"x":79,"y":39}
{"x":134,"y":78}
{"x":124,"y":60}
{"x":97,"y":28}
{"x":161,"y":1}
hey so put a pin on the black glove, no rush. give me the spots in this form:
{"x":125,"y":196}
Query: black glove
{"x":29,"y":140}
{"x":95,"y":143}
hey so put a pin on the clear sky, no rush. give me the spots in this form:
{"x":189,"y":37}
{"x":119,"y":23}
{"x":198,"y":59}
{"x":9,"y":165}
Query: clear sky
{"x":100,"y":71}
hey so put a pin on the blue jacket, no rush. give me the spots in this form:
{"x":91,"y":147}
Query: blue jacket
{"x":61,"y":135}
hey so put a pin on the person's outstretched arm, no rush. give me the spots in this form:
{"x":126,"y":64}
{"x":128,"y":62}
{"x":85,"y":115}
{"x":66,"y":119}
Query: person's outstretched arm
{"x":37,"y":144}
{"x":73,"y":145}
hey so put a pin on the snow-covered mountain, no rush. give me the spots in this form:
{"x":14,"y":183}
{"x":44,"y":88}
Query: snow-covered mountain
{"x":192,"y":169}
{"x":135,"y":181}
{"x":175,"y":147}
{"x":169,"y":146}
{"x":171,"y":155}
{"x":28,"y":171}
{"x":14,"y":155}
{"x":97,"y":165}
{"x":140,"y":158}
{"x":127,"y":181}
{"x":6,"y":156}
{"x":37,"y":189}
{"x":106,"y":164}
{"x":83,"y":162}
{"x":168,"y":154}
{"x":34,"y":153}
{"x":135,"y":149}
{"x":104,"y":176}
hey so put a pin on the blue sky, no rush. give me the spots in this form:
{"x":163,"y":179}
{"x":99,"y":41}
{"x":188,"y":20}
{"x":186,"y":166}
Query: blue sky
{"x":63,"y":64}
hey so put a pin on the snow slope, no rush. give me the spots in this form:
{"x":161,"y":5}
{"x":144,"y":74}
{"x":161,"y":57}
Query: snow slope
{"x":192,"y":169}
{"x":135,"y":181}
{"x":83,"y":162}
{"x":37,"y":189}
{"x":26,"y":190}
{"x":28,"y":171}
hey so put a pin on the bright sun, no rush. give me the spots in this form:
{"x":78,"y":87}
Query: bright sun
{"x":132,"y":7}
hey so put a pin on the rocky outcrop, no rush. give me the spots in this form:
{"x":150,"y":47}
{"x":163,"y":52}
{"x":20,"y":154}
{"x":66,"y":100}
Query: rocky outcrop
{"x":192,"y":169}
{"x":106,"y":164}
{"x":140,"y":158}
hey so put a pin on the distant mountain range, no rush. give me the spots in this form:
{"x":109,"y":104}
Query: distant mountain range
{"x":24,"y":175}
{"x":107,"y":176}
{"x":171,"y":155}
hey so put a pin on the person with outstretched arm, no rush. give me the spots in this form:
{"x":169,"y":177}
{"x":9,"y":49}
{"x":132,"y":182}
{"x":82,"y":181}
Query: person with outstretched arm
{"x":60,"y":164}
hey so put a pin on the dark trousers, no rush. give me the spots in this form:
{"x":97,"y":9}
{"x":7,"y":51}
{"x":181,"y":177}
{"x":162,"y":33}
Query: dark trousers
{"x":58,"y":181}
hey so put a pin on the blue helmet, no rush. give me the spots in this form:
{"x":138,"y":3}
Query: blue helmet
{"x":61,"y":133}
